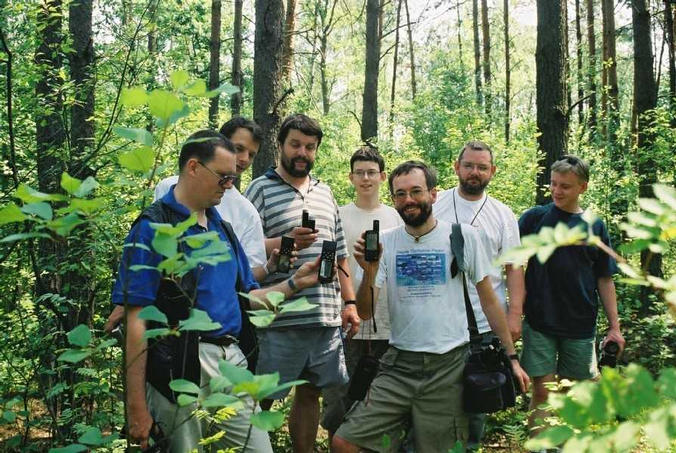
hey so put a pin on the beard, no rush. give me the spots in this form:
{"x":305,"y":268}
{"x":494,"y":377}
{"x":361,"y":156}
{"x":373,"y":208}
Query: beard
{"x":416,"y":220}
{"x":290,"y":166}
{"x":473,"y":185}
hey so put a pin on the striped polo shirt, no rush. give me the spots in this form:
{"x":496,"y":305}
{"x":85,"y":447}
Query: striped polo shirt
{"x":281,"y":206}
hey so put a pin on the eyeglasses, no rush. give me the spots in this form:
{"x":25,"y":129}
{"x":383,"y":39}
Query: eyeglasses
{"x":223,"y":180}
{"x":372,"y":174}
{"x":416,"y":194}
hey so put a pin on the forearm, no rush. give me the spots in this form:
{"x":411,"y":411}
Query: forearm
{"x":606,"y":288}
{"x":136,"y":347}
{"x":516,"y":288}
{"x":282,"y":287}
{"x":259,"y":273}
{"x":271,"y":244}
{"x":346,"y":286}
{"x":367,"y":289}
{"x":494,"y":314}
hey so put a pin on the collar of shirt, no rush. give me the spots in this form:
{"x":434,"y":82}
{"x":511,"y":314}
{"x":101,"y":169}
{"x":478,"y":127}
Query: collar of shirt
{"x":170,"y":200}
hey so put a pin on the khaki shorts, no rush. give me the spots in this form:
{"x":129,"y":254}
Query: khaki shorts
{"x":567,"y":357}
{"x":419,"y":388}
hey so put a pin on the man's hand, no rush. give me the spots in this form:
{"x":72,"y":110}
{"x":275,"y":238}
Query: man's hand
{"x":521,"y":376}
{"x":303,"y":237}
{"x":514,"y":324}
{"x":350,"y":317}
{"x":306,"y":276}
{"x":140,"y":423}
{"x":359,"y":250}
{"x":616,"y":336}
{"x":273,"y":261}
{"x":114,"y":319}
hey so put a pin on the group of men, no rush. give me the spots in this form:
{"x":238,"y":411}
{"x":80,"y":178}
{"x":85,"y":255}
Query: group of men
{"x":412,"y":308}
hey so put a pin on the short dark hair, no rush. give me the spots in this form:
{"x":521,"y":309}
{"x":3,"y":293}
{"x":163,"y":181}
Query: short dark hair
{"x":367,"y":153}
{"x":475,"y":145}
{"x":410,"y":165}
{"x":300,"y":122}
{"x":202,"y":145}
{"x":231,"y":126}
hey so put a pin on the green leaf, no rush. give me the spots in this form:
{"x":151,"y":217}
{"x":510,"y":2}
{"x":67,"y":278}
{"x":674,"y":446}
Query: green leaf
{"x":184,"y":386}
{"x":226,"y":88}
{"x":550,"y":438}
{"x":80,"y":336}
{"x":40,"y":209}
{"x":197,"y":88}
{"x":275,"y":297}
{"x":219,"y":383}
{"x":11,"y":213}
{"x":165,"y":244}
{"x":651,"y":205}
{"x":233,"y":373}
{"x":21,"y":236}
{"x":142,"y":267}
{"x":177,"y":115}
{"x":72,"y":448}
{"x":84,"y":206}
{"x":135,"y":134}
{"x":29,"y":195}
{"x":73,"y":355}
{"x":185,"y":400}
{"x":297,"y":305}
{"x":657,"y":428}
{"x":545,"y":252}
{"x":137,"y":245}
{"x":163,"y":104}
{"x":64,"y":225}
{"x":87,"y":186}
{"x":666,"y":383}
{"x":140,"y":159}
{"x":665,"y":194}
{"x":220,"y":400}
{"x":198,"y":320}
{"x":262,"y":320}
{"x":92,"y":436}
{"x":263,"y":393}
{"x":9,"y":416}
{"x":196,"y":241}
{"x":133,"y":96}
{"x":175,"y":230}
{"x":154,"y":333}
{"x":179,"y":79}
{"x":626,"y":436}
{"x":267,"y":420}
{"x":152,"y":313}
{"x":68,"y":183}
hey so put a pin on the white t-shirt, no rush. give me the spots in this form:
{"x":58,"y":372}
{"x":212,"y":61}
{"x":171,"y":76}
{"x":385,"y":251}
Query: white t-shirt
{"x":427,"y":307}
{"x":499,"y":232}
{"x":240,"y":213}
{"x":355,"y":221}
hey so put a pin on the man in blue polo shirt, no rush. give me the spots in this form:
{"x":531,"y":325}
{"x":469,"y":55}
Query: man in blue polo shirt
{"x":207,"y":169}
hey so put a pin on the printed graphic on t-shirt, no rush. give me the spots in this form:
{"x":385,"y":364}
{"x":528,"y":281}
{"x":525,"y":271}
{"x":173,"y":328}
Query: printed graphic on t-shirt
{"x":420,"y":275}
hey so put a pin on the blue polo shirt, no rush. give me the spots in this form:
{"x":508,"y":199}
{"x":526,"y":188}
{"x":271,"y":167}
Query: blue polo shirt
{"x":216,"y":292}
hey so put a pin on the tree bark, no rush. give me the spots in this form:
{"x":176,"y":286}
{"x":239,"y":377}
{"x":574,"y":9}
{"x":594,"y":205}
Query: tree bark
{"x":236,"y":75}
{"x":369,"y":121}
{"x":591,"y":74}
{"x":669,"y":38}
{"x":410,"y":51}
{"x":395,"y":59}
{"x":289,"y":30}
{"x":326,"y":17}
{"x":508,"y":74}
{"x":579,"y":75}
{"x":486,"y":35}
{"x":215,"y":60}
{"x":609,"y":96}
{"x":268,"y":47}
{"x":551,"y":95}
{"x":477,"y":52}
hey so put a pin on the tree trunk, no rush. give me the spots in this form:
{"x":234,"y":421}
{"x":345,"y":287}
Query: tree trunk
{"x":215,"y":60}
{"x":268,"y":45}
{"x":508,"y":74}
{"x":669,"y":38}
{"x":477,"y":52}
{"x":551,"y":95}
{"x":236,"y":75}
{"x":369,"y":122}
{"x":485,"y":33}
{"x":323,"y":47}
{"x":609,"y":98}
{"x":591,"y":39}
{"x":579,"y":75}
{"x":287,"y":51}
{"x":394,"y":64}
{"x":410,"y":51}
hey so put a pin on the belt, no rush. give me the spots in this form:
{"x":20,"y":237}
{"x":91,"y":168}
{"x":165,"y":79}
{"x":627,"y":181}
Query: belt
{"x":225,"y":340}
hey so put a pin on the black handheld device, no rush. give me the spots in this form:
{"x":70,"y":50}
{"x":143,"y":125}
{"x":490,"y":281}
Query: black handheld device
{"x":285,"y":251}
{"x":307,"y":222}
{"x":608,"y":355}
{"x":371,"y":236}
{"x":328,"y":258}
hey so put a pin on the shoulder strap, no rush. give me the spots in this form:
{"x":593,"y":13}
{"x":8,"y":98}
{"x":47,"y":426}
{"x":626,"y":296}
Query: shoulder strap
{"x":458,"y":266}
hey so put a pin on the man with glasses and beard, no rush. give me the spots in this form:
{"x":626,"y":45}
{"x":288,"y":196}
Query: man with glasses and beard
{"x":496,"y":224}
{"x":304,"y":345}
{"x":420,"y":376}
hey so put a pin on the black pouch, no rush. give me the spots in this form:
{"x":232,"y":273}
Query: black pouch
{"x":487,"y":385}
{"x":366,"y":371}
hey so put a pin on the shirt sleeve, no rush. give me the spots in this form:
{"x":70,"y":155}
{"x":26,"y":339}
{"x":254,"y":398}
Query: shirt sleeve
{"x":137,"y":286}
{"x":253,"y":242}
{"x":478,"y":264}
{"x":341,"y":250}
{"x":244,"y":270}
{"x":510,"y":233}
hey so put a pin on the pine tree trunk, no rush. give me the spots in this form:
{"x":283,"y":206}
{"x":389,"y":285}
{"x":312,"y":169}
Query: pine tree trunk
{"x":669,"y":38}
{"x":287,"y":52}
{"x":508,"y":74}
{"x":410,"y":51}
{"x":551,"y":95}
{"x":369,"y":122}
{"x":477,"y":52}
{"x":236,"y":75}
{"x":580,"y":75}
{"x":591,"y":74}
{"x":215,"y":60}
{"x":486,"y":35}
{"x":268,"y":47}
{"x":395,"y":59}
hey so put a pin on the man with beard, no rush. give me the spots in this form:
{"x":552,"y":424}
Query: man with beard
{"x":420,"y":376}
{"x":305,"y":345}
{"x":468,"y":203}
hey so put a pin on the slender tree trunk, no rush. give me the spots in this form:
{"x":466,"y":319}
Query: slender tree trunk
{"x":395,"y":59}
{"x":477,"y":52}
{"x":645,"y":100}
{"x":369,"y":122}
{"x":591,"y":39}
{"x":580,"y":75}
{"x":609,"y":103}
{"x":268,"y":45}
{"x":289,"y":30}
{"x":551,"y":100}
{"x":410,"y":51}
{"x":236,"y":100}
{"x":569,"y":98}
{"x":323,"y":48}
{"x":669,"y":38}
{"x":508,"y":74}
{"x":486,"y":35}
{"x":215,"y":60}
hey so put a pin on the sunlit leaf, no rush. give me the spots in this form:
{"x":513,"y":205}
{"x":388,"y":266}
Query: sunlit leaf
{"x":184,"y":386}
{"x":197,"y":88}
{"x":550,"y":438}
{"x":80,"y":336}
{"x":179,"y":79}
{"x":154,"y":333}
{"x":226,"y":88}
{"x":651,"y":205}
{"x":140,"y":159}
{"x":185,"y":400}
{"x":69,"y":184}
{"x":665,"y":194}
{"x":233,"y":373}
{"x":267,"y":420}
{"x":275,"y":297}
{"x":29,"y":195}
{"x":64,"y":225}
{"x":219,"y":383}
{"x":40,"y":209}
{"x":152,"y":313}
{"x":86,"y":187}
{"x":22,"y":236}
{"x":219,"y":399}
{"x":163,"y":104}
{"x":165,"y":244}
{"x":138,"y":135}
{"x":262,"y":320}
{"x":73,"y":355}
{"x":11,"y":213}
{"x":198,"y":320}
{"x":297,"y":305}
{"x":133,"y":96}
